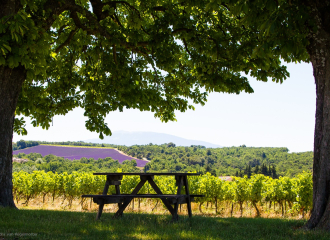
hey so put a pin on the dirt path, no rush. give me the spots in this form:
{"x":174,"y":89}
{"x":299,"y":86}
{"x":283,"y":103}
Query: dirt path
{"x":130,"y":156}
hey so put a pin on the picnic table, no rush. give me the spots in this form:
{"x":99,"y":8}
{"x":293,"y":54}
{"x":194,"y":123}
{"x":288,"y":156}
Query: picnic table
{"x":123,"y":200}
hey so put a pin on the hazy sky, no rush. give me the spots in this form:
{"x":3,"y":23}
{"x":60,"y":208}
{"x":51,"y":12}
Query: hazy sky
{"x":275,"y":115}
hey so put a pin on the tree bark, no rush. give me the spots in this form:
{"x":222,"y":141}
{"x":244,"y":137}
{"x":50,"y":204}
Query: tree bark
{"x":11,"y":81}
{"x":319,"y":51}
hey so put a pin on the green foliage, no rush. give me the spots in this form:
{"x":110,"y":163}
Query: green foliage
{"x":304,"y":190}
{"x":227,"y":161}
{"x":283,"y":27}
{"x":232,"y":161}
{"x":148,"y":55}
{"x":24,"y":144}
{"x":79,"y":143}
{"x":258,"y":189}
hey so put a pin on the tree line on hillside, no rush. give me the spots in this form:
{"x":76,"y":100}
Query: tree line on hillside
{"x":266,"y":171}
{"x":25,"y":144}
{"x":227,"y":161}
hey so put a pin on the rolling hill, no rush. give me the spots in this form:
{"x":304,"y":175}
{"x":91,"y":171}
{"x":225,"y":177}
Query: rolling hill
{"x":144,"y":138}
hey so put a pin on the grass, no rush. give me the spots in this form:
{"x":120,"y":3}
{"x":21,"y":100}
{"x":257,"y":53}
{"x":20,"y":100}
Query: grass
{"x":50,"y":224}
{"x":151,"y":206}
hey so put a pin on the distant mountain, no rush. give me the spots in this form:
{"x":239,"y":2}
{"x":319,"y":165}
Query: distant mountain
{"x":143,"y":138}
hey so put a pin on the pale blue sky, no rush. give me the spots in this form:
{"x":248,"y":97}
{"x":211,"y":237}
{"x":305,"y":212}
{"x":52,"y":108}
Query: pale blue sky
{"x":275,"y":115}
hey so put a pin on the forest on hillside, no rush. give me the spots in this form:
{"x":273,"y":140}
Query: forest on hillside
{"x":226,"y":161}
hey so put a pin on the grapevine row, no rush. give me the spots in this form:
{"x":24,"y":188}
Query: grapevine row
{"x":259,"y":189}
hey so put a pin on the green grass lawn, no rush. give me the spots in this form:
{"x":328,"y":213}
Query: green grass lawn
{"x":46,"y":224}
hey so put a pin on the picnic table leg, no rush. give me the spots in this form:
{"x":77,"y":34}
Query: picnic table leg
{"x":185,"y":182}
{"x":118,"y":192}
{"x":129,"y":199}
{"x":99,"y":213}
{"x":179,"y":183}
{"x":101,"y":203}
{"x":165,"y":201}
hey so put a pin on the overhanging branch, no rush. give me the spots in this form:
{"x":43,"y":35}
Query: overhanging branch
{"x":186,"y":46}
{"x":67,"y":41}
{"x":181,"y":30}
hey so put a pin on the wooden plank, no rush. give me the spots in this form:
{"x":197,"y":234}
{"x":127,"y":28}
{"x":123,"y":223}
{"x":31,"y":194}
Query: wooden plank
{"x":158,"y":191}
{"x":116,"y":183}
{"x":128,"y":200}
{"x":101,"y":205}
{"x":178,"y":180}
{"x":179,"y":183}
{"x":196,"y":195}
{"x":148,"y":174}
{"x":106,"y":188}
{"x":116,"y":177}
{"x":138,"y":196}
{"x":145,"y":177}
{"x":101,"y":202}
{"x":185,"y":182}
{"x":118,"y":193}
{"x":110,"y":199}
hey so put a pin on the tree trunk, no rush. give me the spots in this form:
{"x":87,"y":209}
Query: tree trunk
{"x":321,"y":163}
{"x":200,"y":207}
{"x":216,"y":205}
{"x":257,"y":210}
{"x":11,"y":81}
{"x":319,"y":51}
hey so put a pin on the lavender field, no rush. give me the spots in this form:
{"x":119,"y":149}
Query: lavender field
{"x":79,"y":152}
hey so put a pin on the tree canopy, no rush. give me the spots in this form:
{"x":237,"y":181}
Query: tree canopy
{"x":109,"y":55}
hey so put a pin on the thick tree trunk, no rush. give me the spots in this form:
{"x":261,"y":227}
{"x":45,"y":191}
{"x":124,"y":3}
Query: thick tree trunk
{"x":11,"y":81}
{"x":319,"y":51}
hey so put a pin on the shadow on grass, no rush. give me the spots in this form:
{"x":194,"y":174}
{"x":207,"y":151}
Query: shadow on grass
{"x":45,"y":224}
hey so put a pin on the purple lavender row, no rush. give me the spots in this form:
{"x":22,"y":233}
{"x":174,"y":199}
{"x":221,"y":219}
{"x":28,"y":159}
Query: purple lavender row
{"x":78,"y":153}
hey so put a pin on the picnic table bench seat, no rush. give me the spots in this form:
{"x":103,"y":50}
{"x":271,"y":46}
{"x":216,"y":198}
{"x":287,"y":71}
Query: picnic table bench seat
{"x":120,"y":198}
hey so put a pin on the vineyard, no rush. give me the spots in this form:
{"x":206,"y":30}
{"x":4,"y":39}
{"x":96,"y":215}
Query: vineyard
{"x":286,"y":195}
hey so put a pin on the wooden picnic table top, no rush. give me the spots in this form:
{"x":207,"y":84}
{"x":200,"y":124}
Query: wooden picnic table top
{"x":148,"y":174}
